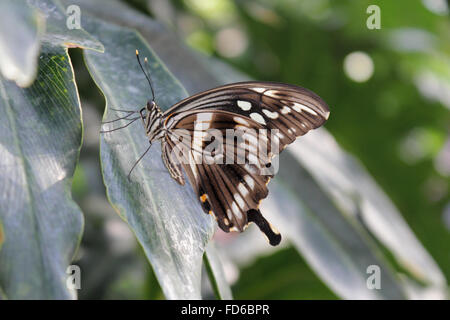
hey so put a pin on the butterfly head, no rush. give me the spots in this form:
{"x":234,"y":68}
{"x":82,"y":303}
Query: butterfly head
{"x":152,"y":117}
{"x":151,"y":106}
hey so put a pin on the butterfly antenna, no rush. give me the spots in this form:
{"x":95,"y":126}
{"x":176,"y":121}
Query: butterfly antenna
{"x":147,"y":65}
{"x":145,"y":73}
{"x":140,"y":158}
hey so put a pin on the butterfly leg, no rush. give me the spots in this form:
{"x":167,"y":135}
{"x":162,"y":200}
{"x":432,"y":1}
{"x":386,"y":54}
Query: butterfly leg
{"x":271,"y":233}
{"x":117,"y":119}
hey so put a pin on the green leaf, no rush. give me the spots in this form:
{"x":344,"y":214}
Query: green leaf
{"x":2,"y":294}
{"x":57,"y":31}
{"x":165,"y":217}
{"x":286,"y":276}
{"x":337,"y":248}
{"x":347,"y":182}
{"x":21,"y":27}
{"x":43,"y":210}
{"x":40,"y":138}
{"x":2,"y":235}
{"x":216,"y":273}
{"x":183,"y":63}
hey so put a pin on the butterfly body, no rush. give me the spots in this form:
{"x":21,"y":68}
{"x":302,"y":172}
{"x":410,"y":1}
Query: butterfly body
{"x":232,"y":192}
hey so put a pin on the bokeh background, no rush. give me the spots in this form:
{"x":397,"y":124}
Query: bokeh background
{"x":389,"y":94}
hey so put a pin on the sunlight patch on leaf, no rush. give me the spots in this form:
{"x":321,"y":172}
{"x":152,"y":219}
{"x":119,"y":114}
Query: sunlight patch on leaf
{"x":43,"y":225}
{"x":21,"y":27}
{"x":24,"y":24}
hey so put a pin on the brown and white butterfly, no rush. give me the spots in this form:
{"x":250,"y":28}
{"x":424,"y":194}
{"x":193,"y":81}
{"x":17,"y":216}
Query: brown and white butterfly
{"x":231,"y":192}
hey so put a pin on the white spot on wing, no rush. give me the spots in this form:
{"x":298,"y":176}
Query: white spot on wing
{"x":202,"y":123}
{"x":193,"y":165}
{"x":242,"y":189}
{"x":239,"y":200}
{"x":259,"y":90}
{"x":285,"y":110}
{"x":270,"y":114}
{"x":204,"y":116}
{"x":257,"y":117}
{"x":244,"y":105}
{"x":236,"y":211}
{"x":300,"y":107}
{"x":241,"y":121}
{"x":271,"y":93}
{"x":249,"y":180}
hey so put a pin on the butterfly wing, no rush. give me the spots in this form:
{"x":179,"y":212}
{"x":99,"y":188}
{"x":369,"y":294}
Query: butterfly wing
{"x":171,"y":163}
{"x":291,"y":109}
{"x":232,"y":192}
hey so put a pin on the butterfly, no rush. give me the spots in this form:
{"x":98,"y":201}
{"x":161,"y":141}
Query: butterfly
{"x":231,"y":192}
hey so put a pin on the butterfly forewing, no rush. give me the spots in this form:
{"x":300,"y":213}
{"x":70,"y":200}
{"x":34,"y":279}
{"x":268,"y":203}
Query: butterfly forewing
{"x":291,"y":109}
{"x":233,"y":191}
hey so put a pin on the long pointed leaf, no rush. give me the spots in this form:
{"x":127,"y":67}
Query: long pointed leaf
{"x":337,"y":249}
{"x":349,"y":184}
{"x":217,"y":274}
{"x":165,"y":217}
{"x":40,"y":140}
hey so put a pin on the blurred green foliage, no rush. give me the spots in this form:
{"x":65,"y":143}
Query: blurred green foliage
{"x":387,"y":121}
{"x":283,"y":275}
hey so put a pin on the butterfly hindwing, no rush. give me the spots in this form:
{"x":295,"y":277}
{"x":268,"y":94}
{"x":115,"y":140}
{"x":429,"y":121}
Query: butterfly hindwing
{"x":227,"y":190}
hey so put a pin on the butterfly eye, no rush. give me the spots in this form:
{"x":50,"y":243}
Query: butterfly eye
{"x":151,"y":105}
